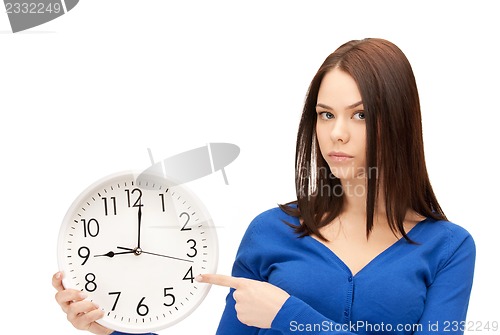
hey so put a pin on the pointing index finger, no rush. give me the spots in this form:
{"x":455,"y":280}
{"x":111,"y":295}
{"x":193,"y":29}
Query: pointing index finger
{"x":220,"y":280}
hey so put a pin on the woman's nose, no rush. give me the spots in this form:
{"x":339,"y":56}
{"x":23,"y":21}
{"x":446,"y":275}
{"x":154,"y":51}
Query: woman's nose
{"x":340,"y":131}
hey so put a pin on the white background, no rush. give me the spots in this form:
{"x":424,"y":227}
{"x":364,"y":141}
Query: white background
{"x":85,"y":95}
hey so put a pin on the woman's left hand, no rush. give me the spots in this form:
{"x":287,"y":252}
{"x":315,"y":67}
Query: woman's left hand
{"x":257,"y":302}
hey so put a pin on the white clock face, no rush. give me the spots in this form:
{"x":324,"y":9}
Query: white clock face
{"x":135,"y":248}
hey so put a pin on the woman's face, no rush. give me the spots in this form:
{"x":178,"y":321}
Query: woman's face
{"x":340,"y":126}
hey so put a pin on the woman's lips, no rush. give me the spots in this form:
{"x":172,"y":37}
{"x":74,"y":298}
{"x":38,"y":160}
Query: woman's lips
{"x":338,"y":156}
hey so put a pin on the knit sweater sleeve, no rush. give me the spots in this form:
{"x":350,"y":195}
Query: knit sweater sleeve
{"x":244,"y":266}
{"x":448,"y":295}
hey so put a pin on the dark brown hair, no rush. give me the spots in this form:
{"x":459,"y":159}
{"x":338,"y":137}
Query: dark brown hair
{"x":394,"y":144}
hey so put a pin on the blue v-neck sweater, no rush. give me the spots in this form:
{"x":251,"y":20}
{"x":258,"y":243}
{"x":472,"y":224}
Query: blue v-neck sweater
{"x":421,"y":288}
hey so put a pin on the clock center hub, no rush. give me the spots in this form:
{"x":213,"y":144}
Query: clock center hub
{"x":137,"y":251}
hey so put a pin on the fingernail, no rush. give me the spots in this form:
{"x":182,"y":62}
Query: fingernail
{"x":58,"y":275}
{"x":83,"y":295}
{"x":199,"y":278}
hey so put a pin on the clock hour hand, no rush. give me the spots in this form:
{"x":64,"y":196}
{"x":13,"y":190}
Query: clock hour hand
{"x":111,"y":254}
{"x":139,"y":251}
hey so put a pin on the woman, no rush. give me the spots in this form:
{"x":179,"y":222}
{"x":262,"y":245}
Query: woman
{"x":365,"y":248}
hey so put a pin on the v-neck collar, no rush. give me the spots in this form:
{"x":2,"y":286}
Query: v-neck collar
{"x":379,"y":257}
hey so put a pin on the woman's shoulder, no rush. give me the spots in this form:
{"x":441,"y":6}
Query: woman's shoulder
{"x":272,"y":222}
{"x":445,"y":234}
{"x":444,"y":228}
{"x":272,"y":217}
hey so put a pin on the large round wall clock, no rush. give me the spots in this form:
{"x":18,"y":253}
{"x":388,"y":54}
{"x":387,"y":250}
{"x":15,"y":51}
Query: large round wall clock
{"x":134,"y":246}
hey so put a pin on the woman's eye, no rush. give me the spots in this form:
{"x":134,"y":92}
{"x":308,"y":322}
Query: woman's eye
{"x":359,"y":115}
{"x":326,"y":115}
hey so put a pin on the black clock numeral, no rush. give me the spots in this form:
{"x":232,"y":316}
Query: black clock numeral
{"x":189,"y":275}
{"x":84,"y":252}
{"x":193,"y":247}
{"x":142,"y":307}
{"x":137,"y":202}
{"x":169,"y":295}
{"x":113,"y":200}
{"x":187,"y":221}
{"x":162,"y":196}
{"x":90,"y":285}
{"x":90,"y":227}
{"x":116,"y":301}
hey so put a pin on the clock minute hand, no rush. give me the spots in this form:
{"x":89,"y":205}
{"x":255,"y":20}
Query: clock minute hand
{"x":155,"y":254}
{"x":139,"y":217}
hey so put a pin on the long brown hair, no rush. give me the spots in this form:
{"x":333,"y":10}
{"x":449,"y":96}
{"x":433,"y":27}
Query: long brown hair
{"x":394,"y":143}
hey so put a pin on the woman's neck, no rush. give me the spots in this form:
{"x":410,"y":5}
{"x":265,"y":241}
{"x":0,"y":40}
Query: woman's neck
{"x":355,"y":193}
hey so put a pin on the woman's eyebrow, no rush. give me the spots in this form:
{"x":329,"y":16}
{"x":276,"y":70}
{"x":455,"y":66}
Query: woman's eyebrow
{"x":354,"y":105}
{"x":324,"y":106}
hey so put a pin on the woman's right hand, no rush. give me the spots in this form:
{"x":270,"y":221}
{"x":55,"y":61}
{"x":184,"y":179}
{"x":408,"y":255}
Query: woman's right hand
{"x":80,"y":312}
